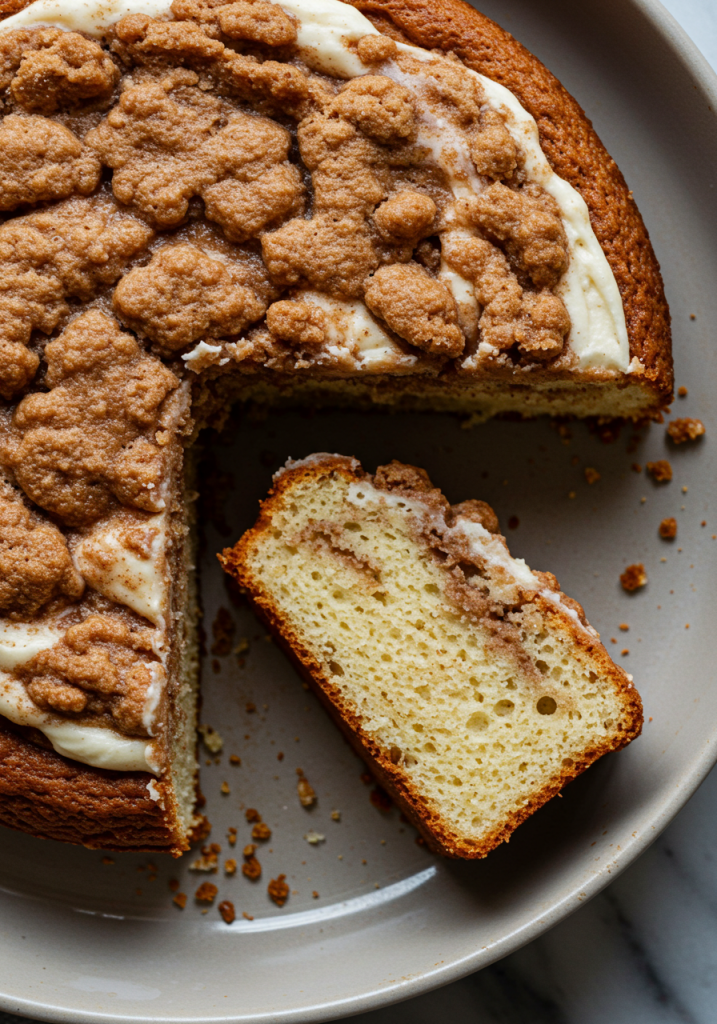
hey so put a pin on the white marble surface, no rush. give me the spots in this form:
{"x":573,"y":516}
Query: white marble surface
{"x":645,"y":950}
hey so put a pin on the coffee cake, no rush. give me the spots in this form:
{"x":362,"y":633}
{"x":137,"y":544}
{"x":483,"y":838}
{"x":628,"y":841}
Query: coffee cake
{"x":390,"y":204}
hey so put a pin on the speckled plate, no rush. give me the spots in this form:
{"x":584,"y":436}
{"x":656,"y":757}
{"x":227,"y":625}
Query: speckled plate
{"x":372,"y":917}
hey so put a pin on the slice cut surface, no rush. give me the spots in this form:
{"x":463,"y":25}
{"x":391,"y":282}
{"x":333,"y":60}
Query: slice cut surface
{"x":473,"y":687}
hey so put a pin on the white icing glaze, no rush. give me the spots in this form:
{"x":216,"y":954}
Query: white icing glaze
{"x":154,"y":793}
{"x":313,"y":460}
{"x":204,"y":355}
{"x":325,"y":26}
{"x":89,"y":16}
{"x":135,"y":576}
{"x":491,"y":548}
{"x":349,"y":321}
{"x":21,"y":641}
{"x":154,"y":695}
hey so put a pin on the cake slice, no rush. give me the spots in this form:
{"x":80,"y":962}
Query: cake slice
{"x":473,"y":688}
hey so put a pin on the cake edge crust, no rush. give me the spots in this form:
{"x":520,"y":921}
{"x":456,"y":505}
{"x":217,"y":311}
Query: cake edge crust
{"x":436,"y":832}
{"x":49,"y":796}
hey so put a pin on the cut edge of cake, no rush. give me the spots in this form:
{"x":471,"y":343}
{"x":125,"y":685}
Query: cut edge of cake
{"x":543,"y":609}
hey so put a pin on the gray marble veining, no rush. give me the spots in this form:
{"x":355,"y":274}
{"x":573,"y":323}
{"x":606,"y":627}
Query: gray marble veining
{"x":645,"y":950}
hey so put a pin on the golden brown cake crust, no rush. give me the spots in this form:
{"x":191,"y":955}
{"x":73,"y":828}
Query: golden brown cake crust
{"x":573,"y":149}
{"x":51,"y":797}
{"x":437,"y":833}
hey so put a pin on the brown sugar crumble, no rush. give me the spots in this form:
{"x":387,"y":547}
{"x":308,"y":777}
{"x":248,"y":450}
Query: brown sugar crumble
{"x":251,"y":868}
{"x":278,"y":890}
{"x":668,"y":528}
{"x":180,"y":900}
{"x":227,"y":911}
{"x":682,"y":430}
{"x":230,"y":866}
{"x":634,"y":577}
{"x":660,"y":471}
{"x":261,"y":831}
{"x":206,"y":893}
{"x":251,"y":814}
{"x":591,"y":475}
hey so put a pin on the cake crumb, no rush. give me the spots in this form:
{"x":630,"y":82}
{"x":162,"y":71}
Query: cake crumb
{"x":513,"y":523}
{"x":250,"y":707}
{"x":234,"y":759}
{"x":687,"y":429}
{"x":634,"y":577}
{"x":232,"y":836}
{"x":251,"y":869}
{"x":636,"y":467}
{"x":572,"y":494}
{"x":624,"y":627}
{"x":668,"y":528}
{"x":225,"y":788}
{"x":210,"y":738}
{"x":278,"y":890}
{"x":307,"y":795}
{"x":261,"y":831}
{"x":226,"y":909}
{"x":336,"y":815}
{"x":209,"y":861}
{"x":625,"y":651}
{"x":591,"y":475}
{"x":314,"y":838}
{"x":247,"y":917}
{"x":315,"y":894}
{"x":108,"y":860}
{"x":251,"y":814}
{"x":180,"y":900}
{"x":230,"y":866}
{"x":206,"y":893}
{"x":660,"y":471}
{"x":173,"y":884}
{"x":682,"y":392}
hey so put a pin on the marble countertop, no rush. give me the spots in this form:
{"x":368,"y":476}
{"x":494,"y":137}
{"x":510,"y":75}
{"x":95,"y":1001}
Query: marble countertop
{"x":645,"y":950}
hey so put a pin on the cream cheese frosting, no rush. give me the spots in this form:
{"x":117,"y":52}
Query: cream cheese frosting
{"x":326,"y":30}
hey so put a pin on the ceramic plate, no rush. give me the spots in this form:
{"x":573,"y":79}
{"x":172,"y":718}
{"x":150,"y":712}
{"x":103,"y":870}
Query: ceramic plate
{"x":372,"y":917}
